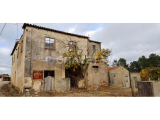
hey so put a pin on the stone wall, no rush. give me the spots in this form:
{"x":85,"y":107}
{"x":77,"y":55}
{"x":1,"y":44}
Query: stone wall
{"x":117,"y":77}
{"x":91,"y":52}
{"x":135,"y":77}
{"x":97,"y":73}
{"x":34,"y":55}
{"x":63,"y":85}
{"x":17,"y":69}
{"x":149,"y":88}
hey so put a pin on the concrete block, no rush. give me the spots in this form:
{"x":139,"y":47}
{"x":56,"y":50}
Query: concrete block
{"x":63,"y":85}
{"x":148,"y":88}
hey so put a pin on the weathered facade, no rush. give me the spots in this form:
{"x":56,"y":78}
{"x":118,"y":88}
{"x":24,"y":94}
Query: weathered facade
{"x":148,"y":88}
{"x":134,"y":76}
{"x":38,"y":54}
{"x":97,"y":74}
{"x":119,"y":76}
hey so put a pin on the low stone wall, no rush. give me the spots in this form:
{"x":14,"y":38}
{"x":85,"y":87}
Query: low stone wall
{"x":63,"y":85}
{"x":148,"y":88}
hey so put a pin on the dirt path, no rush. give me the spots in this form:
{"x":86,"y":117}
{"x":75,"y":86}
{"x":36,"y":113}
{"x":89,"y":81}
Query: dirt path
{"x":1,"y":84}
{"x":110,"y":91}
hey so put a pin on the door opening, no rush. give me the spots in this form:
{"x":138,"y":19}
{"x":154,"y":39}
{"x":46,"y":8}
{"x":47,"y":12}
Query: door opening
{"x":48,"y":80}
{"x":48,"y":73}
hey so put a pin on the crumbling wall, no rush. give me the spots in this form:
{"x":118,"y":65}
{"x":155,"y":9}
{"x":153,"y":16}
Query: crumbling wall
{"x":17,"y":70}
{"x":135,"y":77}
{"x":36,"y":52}
{"x":97,"y":73}
{"x":91,"y":52}
{"x":63,"y":85}
{"x":148,"y":88}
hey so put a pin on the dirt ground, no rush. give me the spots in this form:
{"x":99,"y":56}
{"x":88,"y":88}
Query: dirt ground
{"x":9,"y":91}
{"x":110,"y":91}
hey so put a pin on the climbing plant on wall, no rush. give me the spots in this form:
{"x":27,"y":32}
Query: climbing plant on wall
{"x":74,"y":62}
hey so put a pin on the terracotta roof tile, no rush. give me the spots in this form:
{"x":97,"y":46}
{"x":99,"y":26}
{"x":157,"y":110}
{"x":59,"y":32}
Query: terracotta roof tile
{"x":111,"y":68}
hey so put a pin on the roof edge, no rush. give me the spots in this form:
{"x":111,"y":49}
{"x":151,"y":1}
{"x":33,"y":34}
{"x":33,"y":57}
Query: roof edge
{"x":49,"y":29}
{"x":14,"y":48}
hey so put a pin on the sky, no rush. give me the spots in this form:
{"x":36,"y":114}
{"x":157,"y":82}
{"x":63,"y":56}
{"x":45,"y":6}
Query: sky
{"x":126,"y":40}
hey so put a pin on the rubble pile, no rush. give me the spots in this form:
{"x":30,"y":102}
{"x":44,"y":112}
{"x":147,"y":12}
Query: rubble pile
{"x":10,"y":91}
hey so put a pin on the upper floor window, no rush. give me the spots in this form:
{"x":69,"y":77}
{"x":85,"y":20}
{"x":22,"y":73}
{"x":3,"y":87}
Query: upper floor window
{"x":94,"y":47}
{"x":49,"y":43}
{"x":72,"y":45}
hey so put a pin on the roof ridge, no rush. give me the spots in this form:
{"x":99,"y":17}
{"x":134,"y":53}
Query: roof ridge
{"x":49,"y":29}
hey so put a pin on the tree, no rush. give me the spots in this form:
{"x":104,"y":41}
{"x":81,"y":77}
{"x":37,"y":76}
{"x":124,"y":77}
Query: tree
{"x":143,"y":62}
{"x":102,"y":55}
{"x":114,"y":63}
{"x":154,"y":60}
{"x":151,"y":72}
{"x":75,"y":61}
{"x":134,"y":67}
{"x":123,"y":63}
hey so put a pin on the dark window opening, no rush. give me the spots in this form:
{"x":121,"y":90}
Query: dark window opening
{"x":95,"y":66}
{"x":72,"y":45}
{"x":114,"y":75}
{"x":49,"y":43}
{"x":49,"y":73}
{"x":94,"y":47}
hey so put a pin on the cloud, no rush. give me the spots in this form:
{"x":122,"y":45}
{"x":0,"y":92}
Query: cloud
{"x":127,"y":40}
{"x":130,"y":41}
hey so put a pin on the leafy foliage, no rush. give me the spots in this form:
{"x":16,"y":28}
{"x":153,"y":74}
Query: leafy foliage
{"x":141,"y":63}
{"x":151,"y":72}
{"x":121,"y":62}
{"x":73,"y":59}
{"x":102,"y":55}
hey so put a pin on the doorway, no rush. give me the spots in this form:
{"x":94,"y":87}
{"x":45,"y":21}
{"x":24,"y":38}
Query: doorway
{"x":127,"y":81}
{"x":49,"y":80}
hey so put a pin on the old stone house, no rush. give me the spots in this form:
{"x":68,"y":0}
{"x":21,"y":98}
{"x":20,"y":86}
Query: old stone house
{"x":119,"y":76}
{"x":134,"y":76}
{"x":38,"y":55}
{"x":4,"y":77}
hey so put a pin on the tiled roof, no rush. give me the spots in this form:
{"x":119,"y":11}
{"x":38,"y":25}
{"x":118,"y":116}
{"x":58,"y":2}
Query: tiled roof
{"x":111,"y":68}
{"x":49,"y":29}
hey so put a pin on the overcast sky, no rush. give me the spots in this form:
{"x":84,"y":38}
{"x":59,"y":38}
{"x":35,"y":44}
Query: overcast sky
{"x":127,"y":40}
